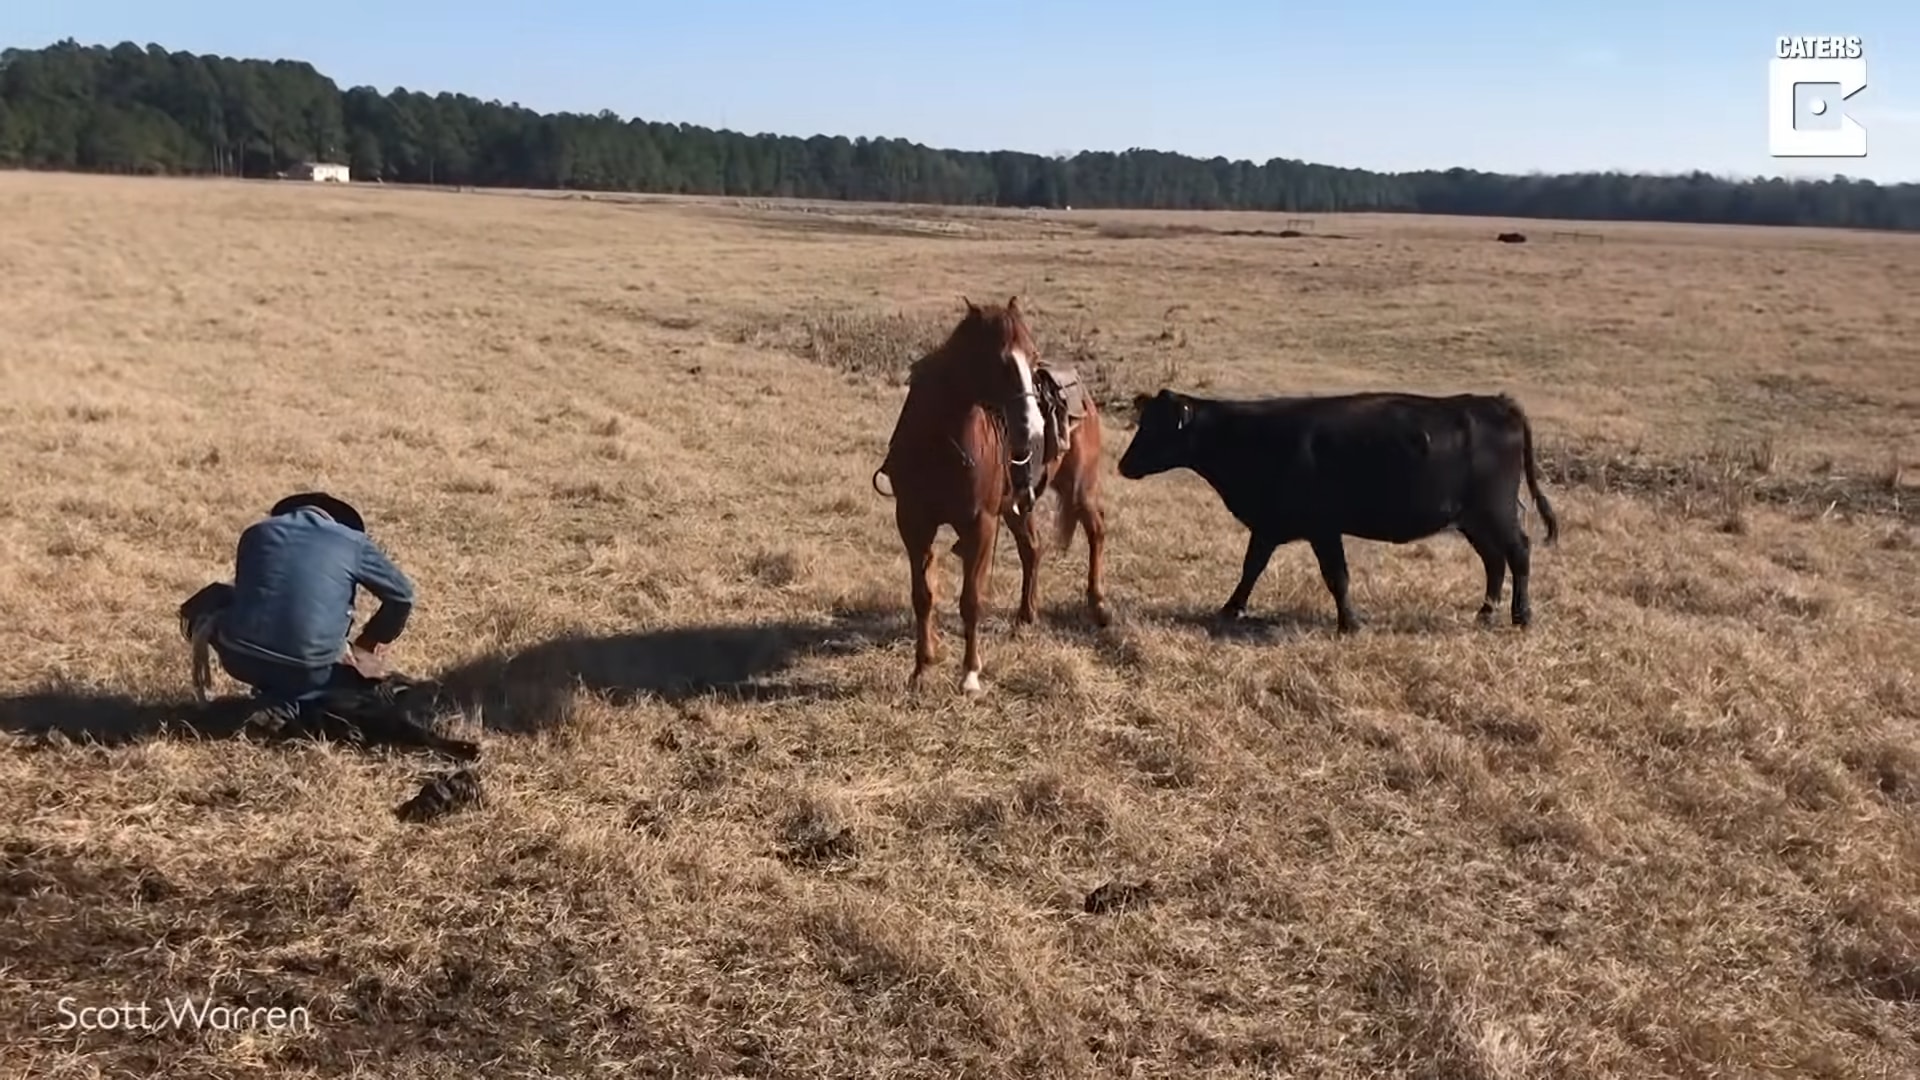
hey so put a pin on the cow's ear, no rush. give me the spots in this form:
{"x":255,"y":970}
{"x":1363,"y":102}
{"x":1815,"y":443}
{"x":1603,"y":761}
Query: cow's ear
{"x":1140,"y":401}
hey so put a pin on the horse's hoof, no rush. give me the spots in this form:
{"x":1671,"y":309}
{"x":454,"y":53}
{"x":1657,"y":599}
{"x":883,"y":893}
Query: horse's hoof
{"x":1102,"y":615}
{"x":971,"y":684}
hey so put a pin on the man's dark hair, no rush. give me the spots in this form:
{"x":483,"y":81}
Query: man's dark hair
{"x":335,"y":508}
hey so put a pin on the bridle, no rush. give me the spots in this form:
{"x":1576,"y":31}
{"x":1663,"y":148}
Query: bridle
{"x":1001,"y":411}
{"x":1018,"y":401}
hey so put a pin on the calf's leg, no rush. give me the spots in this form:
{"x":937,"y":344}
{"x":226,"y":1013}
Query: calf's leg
{"x":1491,"y":545}
{"x":1520,"y":560}
{"x":1259,"y":553}
{"x":1332,"y":553}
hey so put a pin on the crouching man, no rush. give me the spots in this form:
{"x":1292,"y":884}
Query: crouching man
{"x":281,"y":626}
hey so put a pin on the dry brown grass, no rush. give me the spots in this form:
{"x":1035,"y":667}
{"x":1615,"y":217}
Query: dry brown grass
{"x":1669,"y":832}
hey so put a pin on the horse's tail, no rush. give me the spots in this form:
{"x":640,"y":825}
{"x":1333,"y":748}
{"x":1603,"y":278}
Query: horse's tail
{"x":1064,"y":521}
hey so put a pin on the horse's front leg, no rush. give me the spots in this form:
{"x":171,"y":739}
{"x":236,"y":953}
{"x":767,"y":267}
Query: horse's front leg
{"x":918,"y":539}
{"x":1026,"y":537}
{"x":976,"y":556}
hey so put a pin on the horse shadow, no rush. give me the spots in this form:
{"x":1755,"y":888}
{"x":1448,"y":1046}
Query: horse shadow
{"x":533,"y":689}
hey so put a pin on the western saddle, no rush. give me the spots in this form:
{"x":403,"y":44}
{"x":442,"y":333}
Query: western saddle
{"x":1063,"y":404}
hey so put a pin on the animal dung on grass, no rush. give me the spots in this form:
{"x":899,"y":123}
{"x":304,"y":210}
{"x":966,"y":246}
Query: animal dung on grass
{"x":442,"y":795}
{"x":1119,"y":896}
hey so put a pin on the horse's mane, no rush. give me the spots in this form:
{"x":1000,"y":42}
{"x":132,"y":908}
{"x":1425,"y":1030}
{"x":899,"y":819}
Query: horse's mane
{"x":985,"y":332}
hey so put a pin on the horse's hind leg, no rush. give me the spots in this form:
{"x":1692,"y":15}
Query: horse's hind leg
{"x":1079,"y":493}
{"x":1078,"y":486}
{"x":1094,"y":520}
{"x":976,"y":556}
{"x":918,"y":538}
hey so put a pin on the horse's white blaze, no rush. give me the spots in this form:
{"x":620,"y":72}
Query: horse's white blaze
{"x":1035,"y":430}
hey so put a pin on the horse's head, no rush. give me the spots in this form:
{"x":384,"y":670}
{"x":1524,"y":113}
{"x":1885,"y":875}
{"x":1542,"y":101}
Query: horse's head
{"x":1001,"y":354}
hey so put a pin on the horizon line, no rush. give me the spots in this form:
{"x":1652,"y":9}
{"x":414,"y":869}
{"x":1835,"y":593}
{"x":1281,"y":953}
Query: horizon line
{"x":1728,"y":176}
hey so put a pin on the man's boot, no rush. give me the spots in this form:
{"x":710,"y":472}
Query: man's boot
{"x":273,"y":719}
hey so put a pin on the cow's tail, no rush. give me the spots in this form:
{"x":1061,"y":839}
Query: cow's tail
{"x":1533,"y":474}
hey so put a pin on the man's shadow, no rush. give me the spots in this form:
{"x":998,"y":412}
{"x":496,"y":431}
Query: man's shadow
{"x":514,"y":691}
{"x":112,"y":719}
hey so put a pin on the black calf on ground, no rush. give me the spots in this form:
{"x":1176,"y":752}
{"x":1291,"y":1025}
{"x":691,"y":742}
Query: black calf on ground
{"x":1380,"y":466}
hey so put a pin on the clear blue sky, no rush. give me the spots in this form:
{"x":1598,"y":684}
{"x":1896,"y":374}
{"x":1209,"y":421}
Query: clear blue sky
{"x":1388,"y":84}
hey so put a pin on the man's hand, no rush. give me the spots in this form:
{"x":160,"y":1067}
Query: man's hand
{"x":369,"y":661}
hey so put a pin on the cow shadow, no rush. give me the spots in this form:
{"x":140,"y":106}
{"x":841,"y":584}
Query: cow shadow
{"x":1286,"y":625}
{"x":533,"y":689}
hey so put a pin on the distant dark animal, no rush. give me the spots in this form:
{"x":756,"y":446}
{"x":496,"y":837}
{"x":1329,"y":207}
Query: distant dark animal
{"x":1392,"y":467}
{"x":1511,"y":238}
{"x":984,"y":432}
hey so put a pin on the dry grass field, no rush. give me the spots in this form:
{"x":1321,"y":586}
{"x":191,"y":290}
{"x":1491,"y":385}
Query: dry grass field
{"x":624,"y":448}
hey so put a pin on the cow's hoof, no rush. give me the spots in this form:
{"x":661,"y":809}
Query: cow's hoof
{"x":971,"y":684}
{"x":1228,"y":614}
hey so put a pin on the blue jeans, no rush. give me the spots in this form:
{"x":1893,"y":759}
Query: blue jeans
{"x":279,"y":682}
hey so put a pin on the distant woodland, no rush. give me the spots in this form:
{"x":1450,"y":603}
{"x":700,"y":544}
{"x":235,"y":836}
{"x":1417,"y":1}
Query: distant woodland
{"x":128,"y":109}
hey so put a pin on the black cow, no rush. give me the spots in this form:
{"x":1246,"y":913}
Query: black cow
{"x":1380,"y":466}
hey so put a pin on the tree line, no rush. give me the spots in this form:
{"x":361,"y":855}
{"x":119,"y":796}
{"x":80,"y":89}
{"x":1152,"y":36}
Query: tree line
{"x":126,"y":109}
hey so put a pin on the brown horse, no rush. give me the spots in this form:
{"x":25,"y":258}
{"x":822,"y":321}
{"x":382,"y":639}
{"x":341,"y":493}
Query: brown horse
{"x":984,"y":432}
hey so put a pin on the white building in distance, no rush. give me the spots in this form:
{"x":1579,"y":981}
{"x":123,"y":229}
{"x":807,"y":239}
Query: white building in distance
{"x":323,"y":171}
